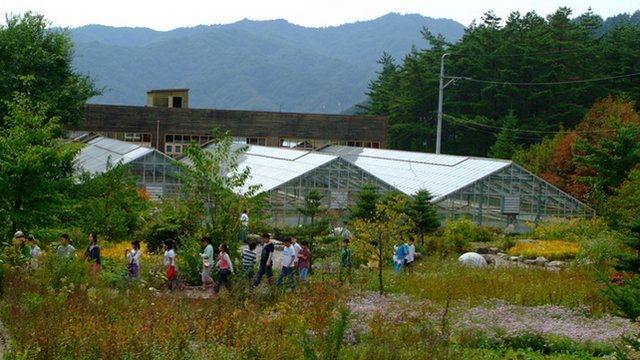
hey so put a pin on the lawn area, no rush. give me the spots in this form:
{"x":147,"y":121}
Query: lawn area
{"x":439,"y":311}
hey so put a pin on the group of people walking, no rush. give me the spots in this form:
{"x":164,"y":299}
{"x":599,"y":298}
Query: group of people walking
{"x":30,"y":252}
{"x":296,"y":258}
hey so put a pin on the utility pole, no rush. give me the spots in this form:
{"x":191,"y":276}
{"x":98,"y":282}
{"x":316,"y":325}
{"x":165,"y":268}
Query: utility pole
{"x":452,"y":79}
{"x":440,"y":96}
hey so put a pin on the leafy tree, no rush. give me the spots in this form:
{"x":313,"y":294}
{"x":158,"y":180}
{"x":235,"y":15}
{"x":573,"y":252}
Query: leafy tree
{"x":375,"y":236}
{"x":36,"y":167}
{"x":30,"y":49}
{"x":422,"y":212}
{"x":111,"y":203}
{"x":365,"y":207}
{"x":538,"y":158}
{"x":212,"y":181}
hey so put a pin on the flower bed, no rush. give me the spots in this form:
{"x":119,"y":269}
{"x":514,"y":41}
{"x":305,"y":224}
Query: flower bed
{"x":550,"y":249}
{"x":496,"y":323}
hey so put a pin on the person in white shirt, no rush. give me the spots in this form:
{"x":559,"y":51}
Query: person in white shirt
{"x":244,"y":230}
{"x":296,"y":250}
{"x":411,"y":255}
{"x":288,"y":263}
{"x":133,"y":259}
{"x":170,"y":263}
{"x":35,"y":253}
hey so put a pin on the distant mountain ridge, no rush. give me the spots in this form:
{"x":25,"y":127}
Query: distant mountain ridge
{"x":250,"y":65}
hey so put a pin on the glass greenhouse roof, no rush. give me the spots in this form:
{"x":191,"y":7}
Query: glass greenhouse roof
{"x":409,"y":172}
{"x":95,"y":157}
{"x":272,"y":167}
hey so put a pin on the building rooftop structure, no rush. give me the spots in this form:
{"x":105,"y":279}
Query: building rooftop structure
{"x":170,"y":129}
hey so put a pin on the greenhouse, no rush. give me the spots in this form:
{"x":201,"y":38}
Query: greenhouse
{"x":288,"y":175}
{"x":490,"y":192}
{"x":154,"y":170}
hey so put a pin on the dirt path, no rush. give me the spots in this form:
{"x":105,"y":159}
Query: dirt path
{"x":5,"y":345}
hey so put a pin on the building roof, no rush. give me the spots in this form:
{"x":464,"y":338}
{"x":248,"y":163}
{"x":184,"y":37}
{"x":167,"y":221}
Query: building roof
{"x":272,"y":167}
{"x":101,"y":151}
{"x":409,"y":172}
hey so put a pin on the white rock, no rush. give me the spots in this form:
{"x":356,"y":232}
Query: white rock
{"x":472,"y":259}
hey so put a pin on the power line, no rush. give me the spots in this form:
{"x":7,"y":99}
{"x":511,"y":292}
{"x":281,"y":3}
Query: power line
{"x":551,"y":83}
{"x":531,"y":54}
{"x":470,"y":122}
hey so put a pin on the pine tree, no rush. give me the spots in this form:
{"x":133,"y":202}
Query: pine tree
{"x":423,"y":214}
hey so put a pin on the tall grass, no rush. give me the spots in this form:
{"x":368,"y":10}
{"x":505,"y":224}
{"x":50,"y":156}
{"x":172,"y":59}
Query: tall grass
{"x":438,"y":279}
{"x":61,"y":312}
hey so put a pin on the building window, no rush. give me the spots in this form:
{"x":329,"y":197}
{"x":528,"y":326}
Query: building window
{"x":174,"y":143}
{"x":256,"y":141}
{"x":177,"y":102}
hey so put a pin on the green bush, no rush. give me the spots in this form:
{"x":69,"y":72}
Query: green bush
{"x":459,"y":234}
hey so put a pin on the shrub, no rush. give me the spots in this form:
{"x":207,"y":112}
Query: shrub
{"x":459,"y":234}
{"x":552,"y":250}
{"x":575,"y":229}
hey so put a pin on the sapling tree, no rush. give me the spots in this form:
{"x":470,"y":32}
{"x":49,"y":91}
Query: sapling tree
{"x":375,"y":237}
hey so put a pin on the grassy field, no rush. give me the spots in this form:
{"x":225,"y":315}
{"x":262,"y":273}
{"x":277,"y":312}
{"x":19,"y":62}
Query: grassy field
{"x":439,"y":311}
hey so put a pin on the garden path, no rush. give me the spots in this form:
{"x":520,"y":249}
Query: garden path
{"x":4,"y":341}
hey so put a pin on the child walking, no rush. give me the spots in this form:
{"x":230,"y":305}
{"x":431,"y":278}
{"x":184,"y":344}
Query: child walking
{"x":226,"y":269}
{"x":133,"y":259}
{"x":207,"y":262}
{"x":170,"y":263}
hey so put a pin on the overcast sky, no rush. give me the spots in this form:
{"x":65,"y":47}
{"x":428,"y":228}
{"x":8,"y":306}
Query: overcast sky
{"x":167,"y":15}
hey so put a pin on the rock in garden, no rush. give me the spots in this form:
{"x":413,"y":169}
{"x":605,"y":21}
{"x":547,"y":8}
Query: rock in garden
{"x":481,"y":250}
{"x":557,"y":263}
{"x":541,"y":261}
{"x":530,"y":262}
{"x":494,"y":250}
{"x":472,"y":259}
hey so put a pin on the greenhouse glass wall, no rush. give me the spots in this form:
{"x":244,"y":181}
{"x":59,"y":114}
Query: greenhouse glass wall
{"x":155,"y":171}
{"x":511,"y":196}
{"x":490,"y":192}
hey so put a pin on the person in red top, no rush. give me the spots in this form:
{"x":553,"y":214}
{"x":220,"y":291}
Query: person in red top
{"x":226,"y":269}
{"x":304,"y":260}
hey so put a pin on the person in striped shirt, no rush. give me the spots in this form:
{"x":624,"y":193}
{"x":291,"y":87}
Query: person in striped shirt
{"x":249,"y":259}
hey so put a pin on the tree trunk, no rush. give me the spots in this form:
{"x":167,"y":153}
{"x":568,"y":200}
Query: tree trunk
{"x":380,"y":265}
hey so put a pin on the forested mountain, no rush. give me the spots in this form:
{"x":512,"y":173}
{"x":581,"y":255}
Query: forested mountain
{"x":250,"y":65}
{"x":526,"y":77}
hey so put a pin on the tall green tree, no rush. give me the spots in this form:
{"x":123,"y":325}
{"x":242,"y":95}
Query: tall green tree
{"x":29,"y":47}
{"x":36,"y":167}
{"x":507,"y":140}
{"x":423,"y":213}
{"x":111,"y":204}
{"x":609,"y":161}
{"x":539,"y":68}
{"x":366,"y":200}
{"x":216,"y":188}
